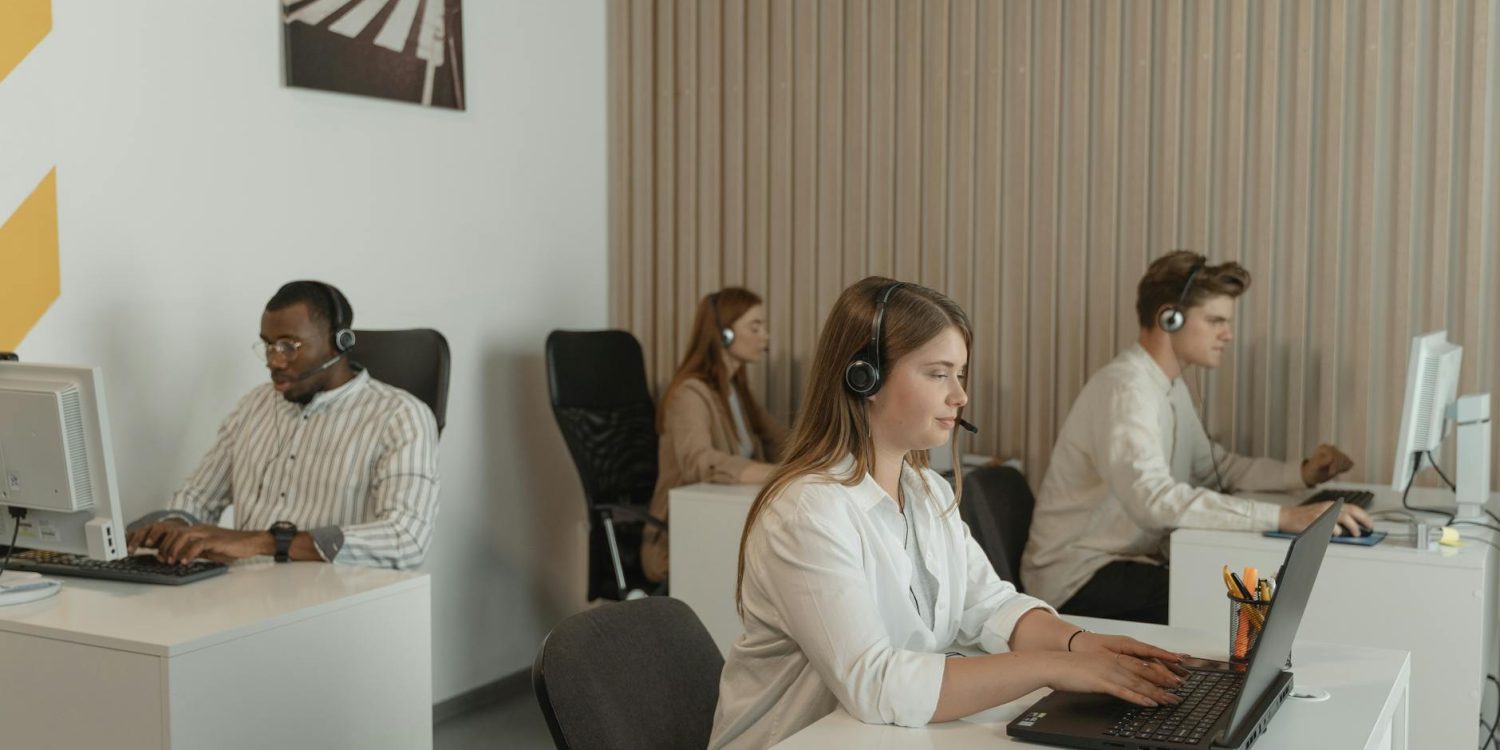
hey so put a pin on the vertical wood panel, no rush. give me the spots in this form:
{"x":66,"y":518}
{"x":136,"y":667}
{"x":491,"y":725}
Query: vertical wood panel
{"x":1030,"y":157}
{"x":709,"y":243}
{"x":986,"y":386}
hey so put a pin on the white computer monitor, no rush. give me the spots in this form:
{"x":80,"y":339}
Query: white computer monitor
{"x":1431,"y":386}
{"x":56,"y":461}
{"x":1432,"y":406}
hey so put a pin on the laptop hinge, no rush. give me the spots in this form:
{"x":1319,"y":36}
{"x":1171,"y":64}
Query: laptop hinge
{"x":1258,"y":717}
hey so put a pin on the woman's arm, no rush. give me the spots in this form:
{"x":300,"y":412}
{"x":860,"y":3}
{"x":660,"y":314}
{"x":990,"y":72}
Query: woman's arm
{"x":1115,"y":665}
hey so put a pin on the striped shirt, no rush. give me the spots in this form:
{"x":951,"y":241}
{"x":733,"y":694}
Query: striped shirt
{"x":356,"y":468}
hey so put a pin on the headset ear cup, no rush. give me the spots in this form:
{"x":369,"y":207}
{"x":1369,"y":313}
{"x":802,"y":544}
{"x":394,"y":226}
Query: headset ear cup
{"x":862,"y":378}
{"x":344,"y":340}
{"x":1171,"y":320}
{"x":727,"y":336}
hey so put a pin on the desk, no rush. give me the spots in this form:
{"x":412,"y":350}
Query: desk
{"x":267,"y":655}
{"x":1440,"y":605}
{"x":707,"y":520}
{"x":1367,"y":710}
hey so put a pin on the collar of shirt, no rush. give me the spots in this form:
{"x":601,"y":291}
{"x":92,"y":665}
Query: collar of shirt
{"x":1143,"y":360}
{"x":324,"y":400}
{"x":868,"y":494}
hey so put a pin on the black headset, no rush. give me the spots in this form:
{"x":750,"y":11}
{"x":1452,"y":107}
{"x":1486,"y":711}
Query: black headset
{"x":1174,"y":317}
{"x":726,"y":334}
{"x":862,"y":376}
{"x":343,"y":336}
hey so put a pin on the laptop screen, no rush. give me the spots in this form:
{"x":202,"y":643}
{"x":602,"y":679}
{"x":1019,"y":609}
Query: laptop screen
{"x":1300,"y":571}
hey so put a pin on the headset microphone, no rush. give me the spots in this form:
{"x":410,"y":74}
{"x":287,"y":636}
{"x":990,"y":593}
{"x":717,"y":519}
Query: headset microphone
{"x":318,"y":369}
{"x":967,"y":425}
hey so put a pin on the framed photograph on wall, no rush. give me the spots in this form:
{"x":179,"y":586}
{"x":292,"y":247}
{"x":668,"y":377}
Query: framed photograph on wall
{"x":407,"y":50}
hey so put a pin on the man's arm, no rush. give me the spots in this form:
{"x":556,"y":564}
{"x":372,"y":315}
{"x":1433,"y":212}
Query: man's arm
{"x":403,"y":499}
{"x":1127,"y":446}
{"x":205,"y":494}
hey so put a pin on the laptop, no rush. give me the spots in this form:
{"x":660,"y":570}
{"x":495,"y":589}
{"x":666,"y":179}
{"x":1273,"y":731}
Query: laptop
{"x":1224,"y":705}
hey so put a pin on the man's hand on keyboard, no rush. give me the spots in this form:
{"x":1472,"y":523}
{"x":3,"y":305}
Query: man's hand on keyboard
{"x":176,"y":542}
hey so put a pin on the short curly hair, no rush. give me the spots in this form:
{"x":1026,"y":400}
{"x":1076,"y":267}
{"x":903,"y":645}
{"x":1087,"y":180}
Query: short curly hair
{"x":319,"y":298}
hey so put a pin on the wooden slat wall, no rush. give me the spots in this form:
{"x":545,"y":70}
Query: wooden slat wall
{"x":1030,"y":158}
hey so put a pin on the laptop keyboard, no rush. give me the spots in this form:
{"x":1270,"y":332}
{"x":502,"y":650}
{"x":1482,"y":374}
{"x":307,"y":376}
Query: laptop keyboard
{"x":1360,"y":498}
{"x":1205,"y":696}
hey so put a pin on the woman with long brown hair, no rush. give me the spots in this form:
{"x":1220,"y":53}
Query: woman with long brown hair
{"x":710,"y":425}
{"x":856,"y":574}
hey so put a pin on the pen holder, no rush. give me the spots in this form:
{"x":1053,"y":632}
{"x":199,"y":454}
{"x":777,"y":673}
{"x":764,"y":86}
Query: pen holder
{"x":1246,"y":619}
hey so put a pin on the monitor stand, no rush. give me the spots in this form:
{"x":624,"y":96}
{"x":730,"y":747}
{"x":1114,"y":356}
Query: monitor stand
{"x":1472,"y":483}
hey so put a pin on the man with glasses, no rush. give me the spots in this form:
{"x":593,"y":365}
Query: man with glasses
{"x":323,"y":463}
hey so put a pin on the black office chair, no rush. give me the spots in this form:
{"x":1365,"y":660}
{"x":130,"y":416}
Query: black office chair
{"x":415,"y":360}
{"x":597,"y":380}
{"x":997,"y":506}
{"x":638,"y":674}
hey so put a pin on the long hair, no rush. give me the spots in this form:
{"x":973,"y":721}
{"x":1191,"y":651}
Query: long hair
{"x":705,"y":356}
{"x":833,"y":422}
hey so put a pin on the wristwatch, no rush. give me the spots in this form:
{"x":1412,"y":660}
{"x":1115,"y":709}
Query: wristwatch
{"x":283,"y":532}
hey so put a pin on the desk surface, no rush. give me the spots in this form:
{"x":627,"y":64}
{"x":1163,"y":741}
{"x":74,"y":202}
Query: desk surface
{"x":167,"y":621}
{"x":1470,"y":552}
{"x":1367,"y":688}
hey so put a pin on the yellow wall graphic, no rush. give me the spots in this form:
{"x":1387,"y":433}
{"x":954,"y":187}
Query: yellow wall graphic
{"x":28,"y":262}
{"x":23,"y":23}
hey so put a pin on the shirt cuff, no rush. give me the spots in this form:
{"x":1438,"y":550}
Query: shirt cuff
{"x":162,"y":515}
{"x":921,"y":676}
{"x":328,"y":540}
{"x":994,"y":638}
{"x":1265,"y":516}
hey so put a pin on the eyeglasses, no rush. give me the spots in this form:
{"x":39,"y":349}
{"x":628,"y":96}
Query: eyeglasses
{"x":286,"y":349}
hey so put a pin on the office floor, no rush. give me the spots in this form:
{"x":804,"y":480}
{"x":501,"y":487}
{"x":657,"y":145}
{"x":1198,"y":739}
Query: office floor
{"x":512,"y":722}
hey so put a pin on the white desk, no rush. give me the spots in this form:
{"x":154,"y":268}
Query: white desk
{"x":707,"y":520}
{"x":1440,"y":605}
{"x":1367,"y":710}
{"x":267,"y":655}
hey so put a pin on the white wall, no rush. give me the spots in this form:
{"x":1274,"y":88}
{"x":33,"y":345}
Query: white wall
{"x":192,"y":184}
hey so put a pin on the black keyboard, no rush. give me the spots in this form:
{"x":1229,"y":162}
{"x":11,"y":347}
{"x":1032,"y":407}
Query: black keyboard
{"x":1205,"y":697}
{"x":1350,"y":497}
{"x":137,"y":569}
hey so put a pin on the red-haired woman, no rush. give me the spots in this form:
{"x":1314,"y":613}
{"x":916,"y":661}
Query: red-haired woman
{"x":712,"y":429}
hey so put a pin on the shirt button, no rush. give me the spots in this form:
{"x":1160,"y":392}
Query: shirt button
{"x":283,"y":494}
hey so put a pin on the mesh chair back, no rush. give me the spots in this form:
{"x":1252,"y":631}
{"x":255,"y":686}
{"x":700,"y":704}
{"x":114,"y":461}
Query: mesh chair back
{"x":997,"y":506}
{"x":637,"y":674}
{"x":414,"y":360}
{"x":597,"y":381}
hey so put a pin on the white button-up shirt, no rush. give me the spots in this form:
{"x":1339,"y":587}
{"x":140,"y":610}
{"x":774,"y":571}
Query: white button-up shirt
{"x":1132,"y":462}
{"x":829,"y":615}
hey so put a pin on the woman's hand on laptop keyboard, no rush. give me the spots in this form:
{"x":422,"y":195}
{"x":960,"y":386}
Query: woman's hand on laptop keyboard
{"x":1129,"y":678}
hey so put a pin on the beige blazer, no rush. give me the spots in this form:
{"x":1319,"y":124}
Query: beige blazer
{"x":698,"y":444}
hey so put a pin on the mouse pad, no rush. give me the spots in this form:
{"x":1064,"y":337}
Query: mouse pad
{"x":1370,"y":539}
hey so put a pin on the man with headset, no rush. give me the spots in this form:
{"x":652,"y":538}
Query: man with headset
{"x":1132,"y":461}
{"x":322,"y":463}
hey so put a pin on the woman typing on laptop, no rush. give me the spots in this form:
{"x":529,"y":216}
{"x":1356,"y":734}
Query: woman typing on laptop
{"x":856,"y":574}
